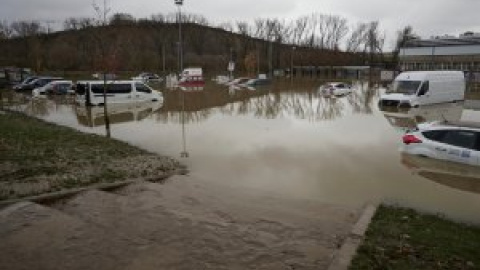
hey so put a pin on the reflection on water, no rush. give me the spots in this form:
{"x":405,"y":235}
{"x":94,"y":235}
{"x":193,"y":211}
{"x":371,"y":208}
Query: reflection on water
{"x":404,"y":119}
{"x":454,"y":175}
{"x":264,"y":102}
{"x":291,"y":140}
{"x":118,"y":113}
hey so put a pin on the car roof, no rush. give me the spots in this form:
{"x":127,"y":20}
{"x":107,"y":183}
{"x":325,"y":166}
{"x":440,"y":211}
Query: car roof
{"x":449,"y":124}
{"x":60,"y":81}
{"x":108,"y":81}
{"x":469,"y":124}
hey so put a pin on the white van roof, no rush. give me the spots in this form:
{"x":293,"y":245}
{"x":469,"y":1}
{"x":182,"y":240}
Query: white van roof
{"x":108,"y":82}
{"x":423,"y":75}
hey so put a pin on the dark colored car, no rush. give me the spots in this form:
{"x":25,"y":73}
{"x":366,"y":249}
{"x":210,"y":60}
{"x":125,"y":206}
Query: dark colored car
{"x":38,"y":82}
{"x":24,"y":82}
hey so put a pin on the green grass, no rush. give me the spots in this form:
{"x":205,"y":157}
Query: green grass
{"x":37,"y":157}
{"x":401,"y":238}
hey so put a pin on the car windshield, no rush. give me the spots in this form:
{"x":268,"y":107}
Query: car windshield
{"x":405,"y":87}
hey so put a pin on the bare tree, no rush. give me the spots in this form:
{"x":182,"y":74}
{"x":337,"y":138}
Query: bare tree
{"x":357,"y":38}
{"x":122,"y":19}
{"x":5,"y":30}
{"x":327,"y":31}
{"x":71,"y":24}
{"x":26,"y":28}
{"x":227,"y":26}
{"x":403,"y":36}
{"x":107,"y":56}
{"x":299,"y":27}
{"x":375,"y":41}
{"x":243,"y":28}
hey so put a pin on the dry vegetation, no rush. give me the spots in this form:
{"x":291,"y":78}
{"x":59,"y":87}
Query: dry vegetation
{"x":37,"y":157}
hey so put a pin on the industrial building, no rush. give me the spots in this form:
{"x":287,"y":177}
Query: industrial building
{"x":442,"y":53}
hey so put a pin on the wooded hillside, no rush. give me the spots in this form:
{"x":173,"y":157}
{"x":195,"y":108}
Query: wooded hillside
{"x":126,"y":44}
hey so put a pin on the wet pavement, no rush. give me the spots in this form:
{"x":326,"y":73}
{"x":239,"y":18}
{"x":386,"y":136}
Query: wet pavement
{"x":291,"y":141}
{"x":186,"y":223}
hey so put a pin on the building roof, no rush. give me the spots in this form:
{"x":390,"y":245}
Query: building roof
{"x":441,"y":50}
{"x":444,"y":41}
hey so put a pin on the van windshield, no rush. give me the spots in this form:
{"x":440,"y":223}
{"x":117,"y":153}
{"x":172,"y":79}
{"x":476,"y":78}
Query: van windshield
{"x":405,"y":87}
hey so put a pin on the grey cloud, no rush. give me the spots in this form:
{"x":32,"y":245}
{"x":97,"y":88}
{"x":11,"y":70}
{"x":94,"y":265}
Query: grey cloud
{"x":428,"y":17}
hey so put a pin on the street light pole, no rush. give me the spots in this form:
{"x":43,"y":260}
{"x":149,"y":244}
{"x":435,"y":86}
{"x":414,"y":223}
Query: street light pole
{"x":230,"y":68}
{"x":179,"y":4}
{"x":291,"y":62}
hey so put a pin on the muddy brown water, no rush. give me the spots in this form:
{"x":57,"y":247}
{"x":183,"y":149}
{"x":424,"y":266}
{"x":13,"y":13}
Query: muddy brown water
{"x":290,"y":140}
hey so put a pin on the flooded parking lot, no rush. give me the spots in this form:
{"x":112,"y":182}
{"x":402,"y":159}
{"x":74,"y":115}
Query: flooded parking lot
{"x":290,"y":140}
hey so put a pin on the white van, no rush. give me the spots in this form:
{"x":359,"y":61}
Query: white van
{"x":192,"y":75}
{"x":91,"y":92}
{"x":414,"y":88}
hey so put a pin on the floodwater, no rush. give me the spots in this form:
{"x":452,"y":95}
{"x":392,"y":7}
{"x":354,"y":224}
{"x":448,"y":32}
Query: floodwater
{"x":290,"y":140}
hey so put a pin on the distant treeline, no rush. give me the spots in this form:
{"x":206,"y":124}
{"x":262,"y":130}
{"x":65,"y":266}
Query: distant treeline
{"x":122,"y":42}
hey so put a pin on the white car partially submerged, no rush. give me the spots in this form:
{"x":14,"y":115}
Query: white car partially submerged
{"x":453,"y":141}
{"x":147,"y":77}
{"x":336,"y":89}
{"x":62,"y":87}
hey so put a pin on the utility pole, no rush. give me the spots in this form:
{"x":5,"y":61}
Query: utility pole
{"x":270,"y":56}
{"x":179,"y":4}
{"x":163,"y":58}
{"x":291,"y":62}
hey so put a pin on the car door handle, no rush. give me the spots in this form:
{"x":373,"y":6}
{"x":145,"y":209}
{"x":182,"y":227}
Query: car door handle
{"x":441,"y":149}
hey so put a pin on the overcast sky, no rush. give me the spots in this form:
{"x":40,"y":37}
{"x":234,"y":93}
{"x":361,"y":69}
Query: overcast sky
{"x":428,"y":17}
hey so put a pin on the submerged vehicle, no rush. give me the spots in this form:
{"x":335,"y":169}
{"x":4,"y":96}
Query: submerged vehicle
{"x":336,"y":89}
{"x":92,"y":92}
{"x":415,"y":88}
{"x":55,"y":87}
{"x":260,"y":80}
{"x":453,"y":141}
{"x":191,"y":77}
{"x":36,"y":83}
{"x":147,"y":77}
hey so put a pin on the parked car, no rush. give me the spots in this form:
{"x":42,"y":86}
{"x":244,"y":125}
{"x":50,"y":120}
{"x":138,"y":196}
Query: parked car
{"x":36,"y":83}
{"x":262,"y":79}
{"x":56,"y":87}
{"x":453,"y":141}
{"x":415,"y":88}
{"x":336,"y":89}
{"x":25,"y":82}
{"x":239,"y":81}
{"x":147,"y":77}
